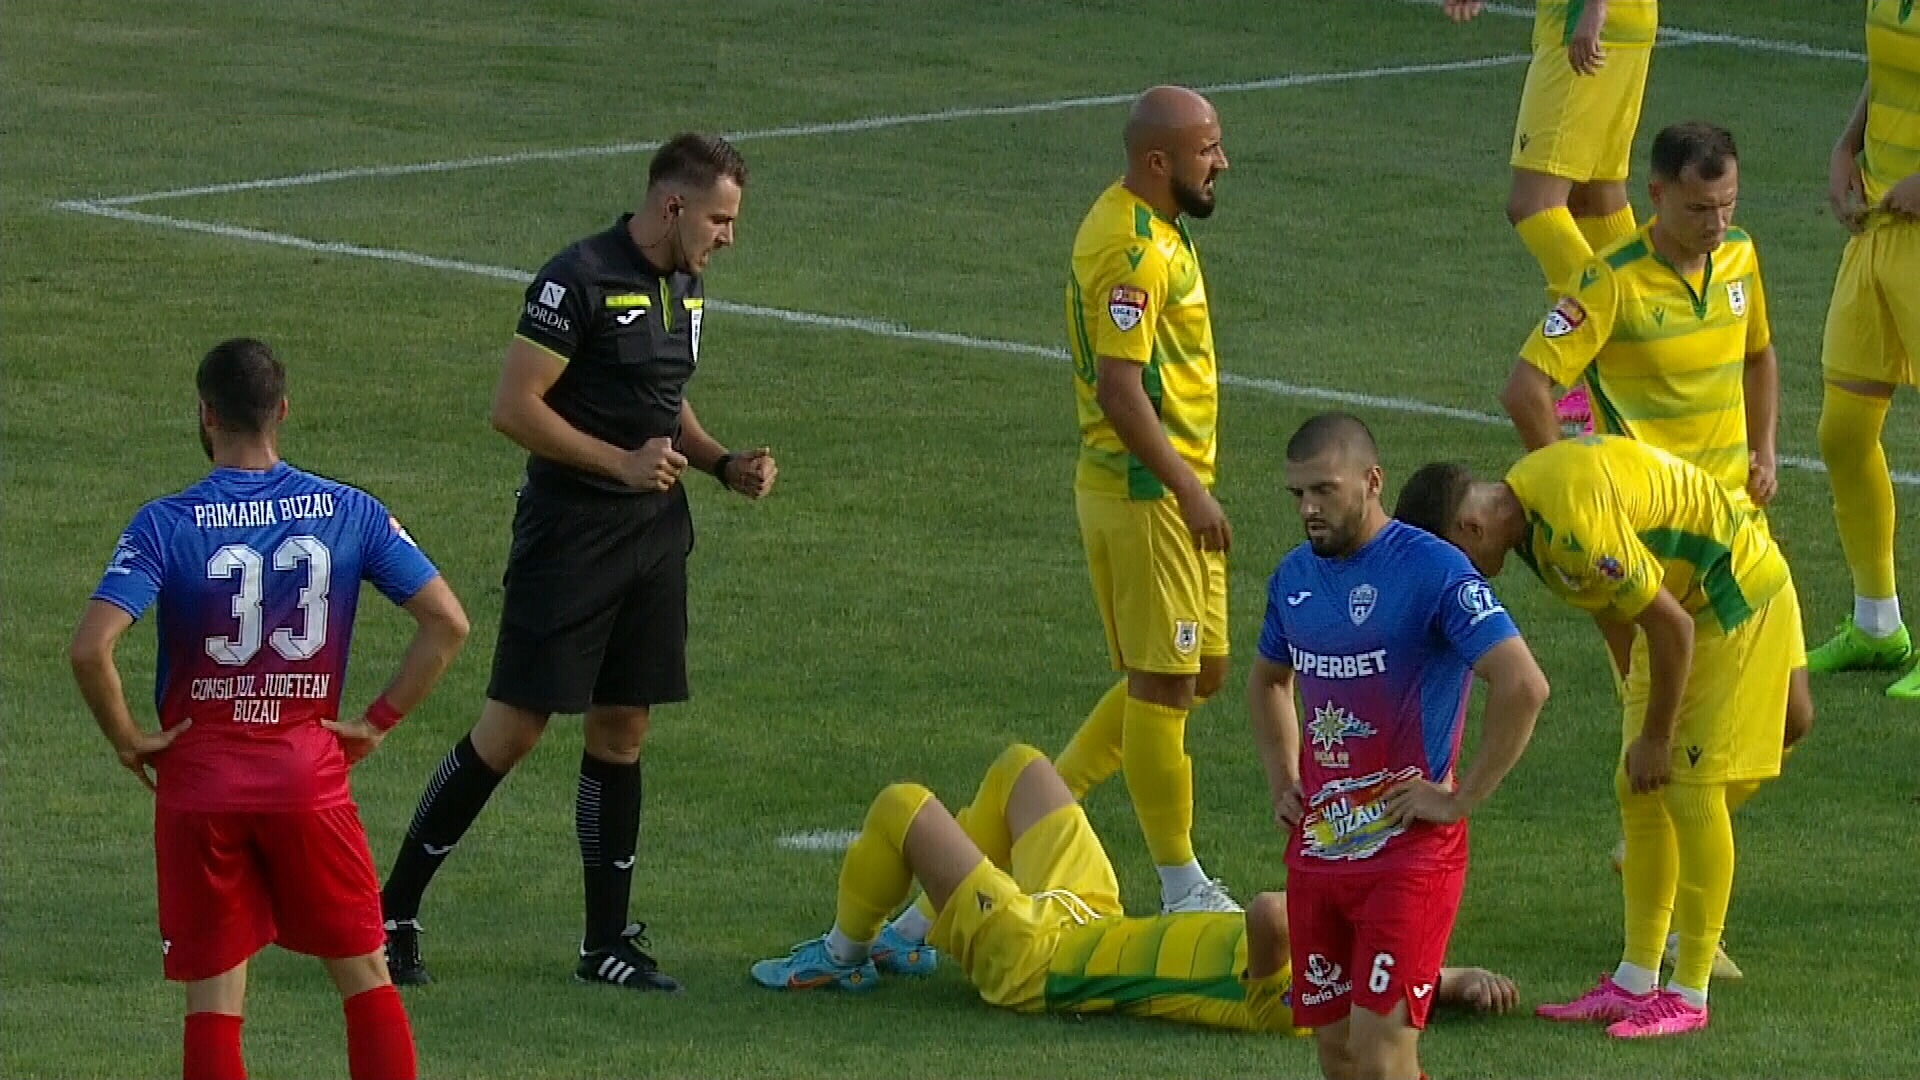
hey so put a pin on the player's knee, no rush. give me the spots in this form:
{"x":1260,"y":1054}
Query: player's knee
{"x":893,"y":811}
{"x":1268,"y":913}
{"x":1012,"y":762}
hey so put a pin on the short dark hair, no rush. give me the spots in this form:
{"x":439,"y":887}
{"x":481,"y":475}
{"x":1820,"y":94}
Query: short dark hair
{"x":1706,"y":147}
{"x":697,"y":161}
{"x":243,"y":383}
{"x":1333,"y":431}
{"x":1431,"y":497}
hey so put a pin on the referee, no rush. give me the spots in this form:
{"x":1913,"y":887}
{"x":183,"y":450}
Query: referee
{"x":595,"y":615}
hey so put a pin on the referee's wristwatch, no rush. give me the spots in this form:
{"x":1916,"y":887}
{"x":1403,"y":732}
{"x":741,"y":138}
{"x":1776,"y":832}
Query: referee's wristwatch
{"x":720,"y":467}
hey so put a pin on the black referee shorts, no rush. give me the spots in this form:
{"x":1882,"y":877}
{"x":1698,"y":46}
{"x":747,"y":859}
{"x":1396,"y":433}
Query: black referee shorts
{"x":596,"y":604}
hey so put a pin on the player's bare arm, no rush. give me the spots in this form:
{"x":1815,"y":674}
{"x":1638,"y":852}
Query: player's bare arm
{"x":1529,"y":400}
{"x":749,"y":472}
{"x":1123,"y":398}
{"x":521,"y":413}
{"x":1619,"y":638}
{"x":1276,"y":736}
{"x":91,"y":655}
{"x":440,"y":629}
{"x":1762,"y":389}
{"x":1516,"y":691}
{"x":1669,"y":631}
{"x":1846,"y":188}
{"x":1584,"y":53}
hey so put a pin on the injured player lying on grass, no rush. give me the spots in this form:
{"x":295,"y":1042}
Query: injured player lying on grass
{"x":1019,"y":890}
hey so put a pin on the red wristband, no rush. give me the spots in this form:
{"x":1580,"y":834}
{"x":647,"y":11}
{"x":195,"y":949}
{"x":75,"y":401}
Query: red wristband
{"x":382,"y":715}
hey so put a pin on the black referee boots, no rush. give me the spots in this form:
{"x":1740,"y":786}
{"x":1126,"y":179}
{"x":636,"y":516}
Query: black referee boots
{"x":625,"y":963}
{"x":404,"y":965}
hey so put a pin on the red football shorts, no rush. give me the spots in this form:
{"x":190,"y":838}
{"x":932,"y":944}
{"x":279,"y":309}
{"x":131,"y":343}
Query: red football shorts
{"x":1367,"y":939}
{"x":232,"y":883}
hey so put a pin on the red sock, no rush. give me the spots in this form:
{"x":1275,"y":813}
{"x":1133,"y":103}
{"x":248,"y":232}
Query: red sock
{"x":212,"y":1048}
{"x":379,"y":1039}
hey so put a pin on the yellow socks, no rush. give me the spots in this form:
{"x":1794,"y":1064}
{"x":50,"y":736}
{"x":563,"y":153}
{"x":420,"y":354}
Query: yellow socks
{"x":1602,"y":232}
{"x":1556,"y":244}
{"x":1160,"y":779}
{"x":1862,"y":487}
{"x":1647,"y":878}
{"x":1704,"y":833}
{"x":875,"y":878}
{"x":1094,"y":753}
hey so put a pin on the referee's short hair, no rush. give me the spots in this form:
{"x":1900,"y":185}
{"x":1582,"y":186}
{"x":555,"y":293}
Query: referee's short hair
{"x":696,"y":161}
{"x":243,"y":383}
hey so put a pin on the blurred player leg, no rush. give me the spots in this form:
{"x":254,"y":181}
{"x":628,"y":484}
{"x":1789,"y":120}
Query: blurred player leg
{"x":379,"y":1037}
{"x":211,"y":1045}
{"x":1874,"y":636}
{"x":1094,"y":753}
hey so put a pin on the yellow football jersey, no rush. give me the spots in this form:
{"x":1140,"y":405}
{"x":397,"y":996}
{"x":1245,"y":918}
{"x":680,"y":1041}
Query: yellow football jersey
{"x":1135,"y":293}
{"x":1611,"y":520}
{"x":1629,"y":23}
{"x":1186,"y":968}
{"x":1892,"y":151}
{"x":1665,"y":362}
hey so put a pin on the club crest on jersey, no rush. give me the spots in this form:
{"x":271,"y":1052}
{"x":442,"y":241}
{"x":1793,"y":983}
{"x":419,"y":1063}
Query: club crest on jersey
{"x":1360,"y":603}
{"x":1564,"y":319}
{"x":1127,"y":305}
{"x":1610,"y":568}
{"x":1737,"y":298}
{"x":1186,"y":636}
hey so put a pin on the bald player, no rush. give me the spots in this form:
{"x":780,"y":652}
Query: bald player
{"x":1147,"y":385}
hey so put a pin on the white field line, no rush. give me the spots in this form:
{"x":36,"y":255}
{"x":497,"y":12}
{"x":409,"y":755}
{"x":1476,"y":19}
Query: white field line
{"x":876,"y":327}
{"x":1673,"y":35}
{"x":823,"y":840}
{"x":837,"y":127}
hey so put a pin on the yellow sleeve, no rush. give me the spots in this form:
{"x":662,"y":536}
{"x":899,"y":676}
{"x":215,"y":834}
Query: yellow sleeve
{"x":1759,"y":331}
{"x":1572,"y":334}
{"x":1131,"y":283}
{"x":1599,"y":565}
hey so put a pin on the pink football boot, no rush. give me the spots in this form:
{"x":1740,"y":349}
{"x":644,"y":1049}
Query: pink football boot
{"x":1604,"y":1003}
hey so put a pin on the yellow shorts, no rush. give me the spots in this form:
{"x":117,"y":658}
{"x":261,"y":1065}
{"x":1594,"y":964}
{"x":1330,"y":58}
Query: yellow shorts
{"x":1162,"y":600}
{"x":1003,"y":928}
{"x":1873,"y":322}
{"x":1580,"y":127}
{"x":1733,"y":713}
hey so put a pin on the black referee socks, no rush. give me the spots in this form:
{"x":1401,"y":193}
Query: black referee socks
{"x":459,"y":789}
{"x":606,"y":817}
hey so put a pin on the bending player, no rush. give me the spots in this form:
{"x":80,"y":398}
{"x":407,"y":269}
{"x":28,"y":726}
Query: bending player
{"x":1717,"y":684}
{"x":1018,"y":888}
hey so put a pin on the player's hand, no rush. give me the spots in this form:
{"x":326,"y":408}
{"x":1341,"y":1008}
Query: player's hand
{"x":1478,"y":989}
{"x":1649,"y":764}
{"x":143,"y":748}
{"x":1205,"y":520}
{"x":1462,"y":10}
{"x":1419,"y":799}
{"x":1288,"y":806}
{"x":1763,"y":479}
{"x":751,"y":474}
{"x":358,"y":738}
{"x":1904,"y":198}
{"x":1584,"y":53}
{"x":654,"y":467}
{"x":1847,"y":191}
